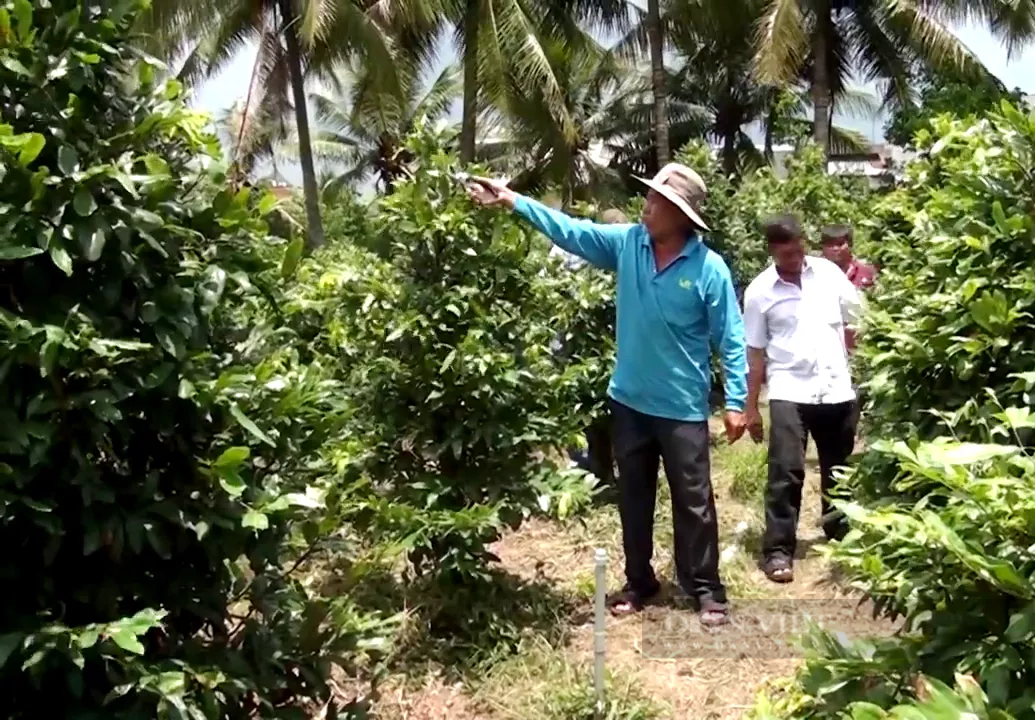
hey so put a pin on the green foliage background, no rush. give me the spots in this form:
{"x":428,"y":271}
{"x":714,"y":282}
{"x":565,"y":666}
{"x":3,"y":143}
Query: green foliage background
{"x":212,"y":447}
{"x":940,"y":505}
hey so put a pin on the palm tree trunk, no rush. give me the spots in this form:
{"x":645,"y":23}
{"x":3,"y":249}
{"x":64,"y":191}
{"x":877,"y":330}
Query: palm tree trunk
{"x":656,"y":39}
{"x":729,"y":152}
{"x":235,"y":168}
{"x":770,"y":123}
{"x":305,"y":149}
{"x":468,"y":128}
{"x":821,"y":84}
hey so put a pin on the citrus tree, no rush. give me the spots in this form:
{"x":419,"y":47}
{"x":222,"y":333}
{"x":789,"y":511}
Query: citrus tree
{"x":446,"y":337}
{"x":157,"y":446}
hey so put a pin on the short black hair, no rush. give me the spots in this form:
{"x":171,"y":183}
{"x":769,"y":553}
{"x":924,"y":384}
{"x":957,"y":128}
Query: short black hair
{"x":836,"y":232}
{"x":781,"y":229}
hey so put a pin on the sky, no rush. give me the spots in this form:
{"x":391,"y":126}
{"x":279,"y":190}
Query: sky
{"x":231,"y":84}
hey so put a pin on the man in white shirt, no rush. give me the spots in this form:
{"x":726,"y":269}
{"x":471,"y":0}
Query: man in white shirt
{"x":795,"y":315}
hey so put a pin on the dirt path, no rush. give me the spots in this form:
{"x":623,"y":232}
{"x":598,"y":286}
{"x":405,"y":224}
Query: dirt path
{"x":535,"y":682}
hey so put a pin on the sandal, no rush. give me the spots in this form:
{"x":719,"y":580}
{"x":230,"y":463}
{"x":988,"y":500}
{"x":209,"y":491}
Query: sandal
{"x":779,"y":569}
{"x":714,"y":614}
{"x":629,"y":601}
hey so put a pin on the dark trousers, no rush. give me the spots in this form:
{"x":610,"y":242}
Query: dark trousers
{"x":832,"y":428}
{"x":640,"y":443}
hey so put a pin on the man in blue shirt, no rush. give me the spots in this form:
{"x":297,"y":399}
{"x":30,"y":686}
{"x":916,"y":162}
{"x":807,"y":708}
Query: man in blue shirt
{"x":675,"y":301}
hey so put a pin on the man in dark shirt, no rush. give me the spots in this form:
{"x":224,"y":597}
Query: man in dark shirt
{"x":836,"y":242}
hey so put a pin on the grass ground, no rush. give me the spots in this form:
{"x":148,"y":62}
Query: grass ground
{"x":549,"y":677}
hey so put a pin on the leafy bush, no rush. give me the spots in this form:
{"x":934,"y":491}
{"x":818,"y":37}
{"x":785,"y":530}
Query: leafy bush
{"x":156,"y":449}
{"x":956,"y":567}
{"x":456,"y":391}
{"x":941,"y":533}
{"x":941,"y":93}
{"x":952,"y":312}
{"x":935,"y":701}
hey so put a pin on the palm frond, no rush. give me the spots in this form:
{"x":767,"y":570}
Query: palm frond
{"x":912,"y":26}
{"x":782,"y":40}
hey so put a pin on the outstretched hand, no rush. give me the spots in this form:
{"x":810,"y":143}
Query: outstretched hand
{"x":490,"y":193}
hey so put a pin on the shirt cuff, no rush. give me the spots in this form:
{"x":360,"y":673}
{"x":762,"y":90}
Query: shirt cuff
{"x":735,"y":406}
{"x":521,"y":205}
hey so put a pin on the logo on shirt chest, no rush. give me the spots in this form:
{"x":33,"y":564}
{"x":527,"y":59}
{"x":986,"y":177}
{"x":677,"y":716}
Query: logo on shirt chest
{"x":686,"y":283}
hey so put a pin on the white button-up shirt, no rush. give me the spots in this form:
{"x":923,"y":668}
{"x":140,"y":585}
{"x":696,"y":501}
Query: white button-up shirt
{"x":802,"y":332}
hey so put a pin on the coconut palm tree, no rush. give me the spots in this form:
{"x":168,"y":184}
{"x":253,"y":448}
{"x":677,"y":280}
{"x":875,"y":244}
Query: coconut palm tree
{"x":712,"y":92}
{"x":532,"y":146}
{"x":498,"y":40}
{"x":886,"y":40}
{"x":295,"y":40}
{"x":362,"y":129}
{"x":656,"y":41}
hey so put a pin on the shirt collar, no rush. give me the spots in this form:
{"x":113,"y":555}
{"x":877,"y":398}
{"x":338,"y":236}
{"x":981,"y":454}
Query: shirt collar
{"x":808,"y":270}
{"x":693,"y":240}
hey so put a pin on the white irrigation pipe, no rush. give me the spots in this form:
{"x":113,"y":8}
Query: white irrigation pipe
{"x":599,"y":644}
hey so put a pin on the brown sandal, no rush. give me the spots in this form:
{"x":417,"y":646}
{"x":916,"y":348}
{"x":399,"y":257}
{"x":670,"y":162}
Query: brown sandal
{"x":714,"y":614}
{"x":631,"y":599}
{"x":779,"y":569}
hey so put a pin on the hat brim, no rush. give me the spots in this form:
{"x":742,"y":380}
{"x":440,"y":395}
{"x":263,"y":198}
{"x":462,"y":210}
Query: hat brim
{"x":679,"y":202}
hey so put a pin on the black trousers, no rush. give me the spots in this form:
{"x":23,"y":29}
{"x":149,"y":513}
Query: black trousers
{"x":832,"y":428}
{"x":640,"y":443}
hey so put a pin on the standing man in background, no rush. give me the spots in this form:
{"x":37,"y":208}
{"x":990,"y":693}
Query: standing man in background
{"x":795,"y":315}
{"x":836,"y":245}
{"x":675,"y":300}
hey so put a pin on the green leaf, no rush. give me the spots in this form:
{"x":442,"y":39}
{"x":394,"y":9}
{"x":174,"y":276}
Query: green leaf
{"x":1022,"y":624}
{"x":171,"y":342}
{"x":31,"y":149}
{"x":156,"y":166}
{"x":68,"y":159}
{"x":250,"y":426}
{"x":292,"y":256}
{"x":867,"y":711}
{"x":126,"y":640}
{"x":157,"y":541}
{"x":448,"y":362}
{"x":83,"y":202}
{"x":8,"y":644}
{"x":23,"y":18}
{"x":12,"y":252}
{"x":1000,"y":218}
{"x":88,"y":638}
{"x":172,"y":683}
{"x":997,"y":683}
{"x":213,"y":283}
{"x":232,"y":457}
{"x":185,"y":390}
{"x":255,"y":519}
{"x":267,"y":203}
{"x":232,"y":483}
{"x":96,"y":245}
{"x":14,"y":66}
{"x":61,"y":258}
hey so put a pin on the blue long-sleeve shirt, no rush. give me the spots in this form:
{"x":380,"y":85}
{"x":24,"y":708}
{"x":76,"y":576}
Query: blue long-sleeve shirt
{"x":668,"y":321}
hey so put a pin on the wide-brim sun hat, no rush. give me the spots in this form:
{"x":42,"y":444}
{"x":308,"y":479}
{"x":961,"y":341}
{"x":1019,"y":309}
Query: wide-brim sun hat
{"x":683,"y":187}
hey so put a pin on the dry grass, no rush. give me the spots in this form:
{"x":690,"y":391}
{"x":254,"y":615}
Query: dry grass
{"x":539,"y":680}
